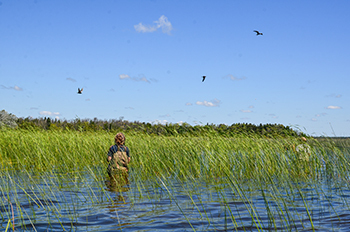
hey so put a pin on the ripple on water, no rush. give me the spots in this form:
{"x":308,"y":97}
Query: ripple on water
{"x":90,"y":207}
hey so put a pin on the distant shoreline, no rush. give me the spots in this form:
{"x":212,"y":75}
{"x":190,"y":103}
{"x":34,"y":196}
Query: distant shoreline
{"x":331,"y":137}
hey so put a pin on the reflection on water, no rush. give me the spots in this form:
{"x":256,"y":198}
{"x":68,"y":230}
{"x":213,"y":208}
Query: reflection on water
{"x":86,"y":203}
{"x":118,"y":183}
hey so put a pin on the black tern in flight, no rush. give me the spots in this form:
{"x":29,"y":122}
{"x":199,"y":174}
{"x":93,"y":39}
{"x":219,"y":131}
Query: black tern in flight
{"x":258,"y":33}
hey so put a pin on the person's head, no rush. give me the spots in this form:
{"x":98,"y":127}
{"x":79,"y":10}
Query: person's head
{"x":119,"y":139}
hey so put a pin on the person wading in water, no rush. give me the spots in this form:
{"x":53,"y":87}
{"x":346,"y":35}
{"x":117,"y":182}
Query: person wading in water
{"x":118,"y":157}
{"x":303,"y":154}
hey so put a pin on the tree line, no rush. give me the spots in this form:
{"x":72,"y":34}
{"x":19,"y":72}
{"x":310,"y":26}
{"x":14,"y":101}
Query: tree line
{"x":169,"y":129}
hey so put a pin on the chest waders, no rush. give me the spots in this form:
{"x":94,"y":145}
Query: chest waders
{"x":119,"y":162}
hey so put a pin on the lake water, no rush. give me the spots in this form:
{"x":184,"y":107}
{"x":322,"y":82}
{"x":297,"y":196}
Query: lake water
{"x":85,"y":202}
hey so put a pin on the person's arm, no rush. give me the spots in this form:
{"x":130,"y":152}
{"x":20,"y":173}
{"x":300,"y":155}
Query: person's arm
{"x":109,"y":154}
{"x":128,"y":154}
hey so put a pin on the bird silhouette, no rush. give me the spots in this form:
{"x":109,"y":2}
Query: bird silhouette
{"x":203,"y":78}
{"x":258,"y":33}
{"x":80,"y":90}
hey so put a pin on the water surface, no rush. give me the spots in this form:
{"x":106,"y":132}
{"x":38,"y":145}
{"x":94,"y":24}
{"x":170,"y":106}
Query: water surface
{"x":88,"y":202}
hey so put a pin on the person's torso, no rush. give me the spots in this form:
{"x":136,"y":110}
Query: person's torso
{"x":122,"y":148}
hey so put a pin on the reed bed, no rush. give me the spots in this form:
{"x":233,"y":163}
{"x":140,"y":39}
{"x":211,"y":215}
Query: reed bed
{"x":41,"y":169}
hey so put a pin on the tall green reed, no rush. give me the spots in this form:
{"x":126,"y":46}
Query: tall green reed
{"x":227,"y":163}
{"x":204,"y":157}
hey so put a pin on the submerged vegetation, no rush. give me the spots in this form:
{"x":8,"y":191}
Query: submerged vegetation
{"x":258,"y":182}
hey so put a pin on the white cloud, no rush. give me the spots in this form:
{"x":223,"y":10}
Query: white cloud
{"x":165,"y":116}
{"x":214,"y":103}
{"x":124,"y":76}
{"x":246,"y":111}
{"x":48,"y":113}
{"x":188,"y":104}
{"x":70,"y":79}
{"x":233,"y":78}
{"x":15,"y":88}
{"x":334,"y":95}
{"x":142,"y":28}
{"x":162,"y":23}
{"x":141,"y":77}
{"x":333,"y":107}
{"x":153,"y":80}
{"x":163,"y":122}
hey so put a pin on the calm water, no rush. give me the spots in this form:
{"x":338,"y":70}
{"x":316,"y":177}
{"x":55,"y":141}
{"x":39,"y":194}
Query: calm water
{"x":88,"y":203}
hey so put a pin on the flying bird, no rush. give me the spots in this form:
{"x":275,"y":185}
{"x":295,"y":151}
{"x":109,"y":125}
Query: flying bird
{"x":258,"y":33}
{"x":203,"y":78}
{"x":80,"y":90}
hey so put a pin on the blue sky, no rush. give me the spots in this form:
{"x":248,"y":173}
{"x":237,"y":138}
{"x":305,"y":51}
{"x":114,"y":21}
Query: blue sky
{"x":144,"y":61}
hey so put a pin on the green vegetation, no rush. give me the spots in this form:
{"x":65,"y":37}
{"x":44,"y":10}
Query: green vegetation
{"x":197,"y":156}
{"x":42,"y":163}
{"x":234,"y":130}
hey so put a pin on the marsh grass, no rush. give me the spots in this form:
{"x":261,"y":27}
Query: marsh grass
{"x":42,"y":170}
